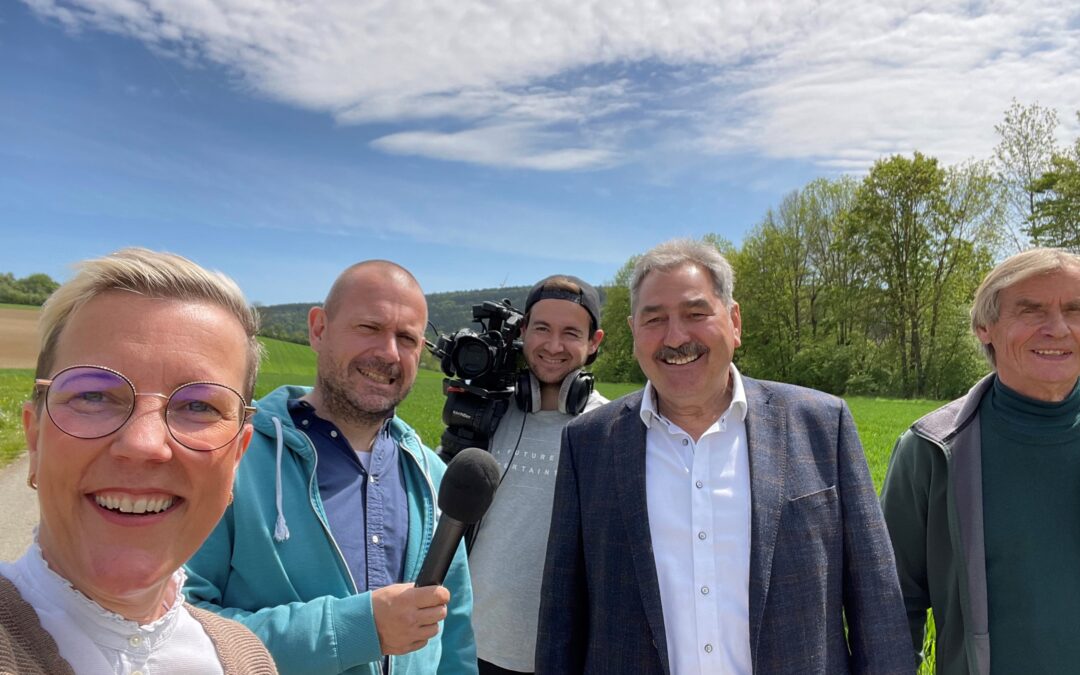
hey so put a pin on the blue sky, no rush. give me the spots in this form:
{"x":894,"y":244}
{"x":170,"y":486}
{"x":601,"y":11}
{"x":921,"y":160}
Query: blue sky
{"x":479,"y":143}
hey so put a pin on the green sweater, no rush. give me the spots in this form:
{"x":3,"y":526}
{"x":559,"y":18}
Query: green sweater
{"x":1031,"y":511}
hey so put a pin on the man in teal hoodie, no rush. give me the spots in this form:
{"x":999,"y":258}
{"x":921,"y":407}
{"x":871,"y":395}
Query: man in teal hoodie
{"x":335,"y":504}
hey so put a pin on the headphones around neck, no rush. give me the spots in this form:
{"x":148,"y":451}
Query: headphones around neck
{"x":573,"y":393}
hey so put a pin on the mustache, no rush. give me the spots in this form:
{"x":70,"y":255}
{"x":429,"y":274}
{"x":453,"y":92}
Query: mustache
{"x":690,"y":349}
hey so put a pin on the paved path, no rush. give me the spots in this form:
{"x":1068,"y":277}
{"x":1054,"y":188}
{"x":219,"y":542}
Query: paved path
{"x":18,"y":510}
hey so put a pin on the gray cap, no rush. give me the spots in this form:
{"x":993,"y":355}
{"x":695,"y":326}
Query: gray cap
{"x":587,"y":298}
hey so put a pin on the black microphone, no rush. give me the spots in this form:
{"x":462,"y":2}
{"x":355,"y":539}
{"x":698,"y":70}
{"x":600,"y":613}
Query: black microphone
{"x":465,"y":494}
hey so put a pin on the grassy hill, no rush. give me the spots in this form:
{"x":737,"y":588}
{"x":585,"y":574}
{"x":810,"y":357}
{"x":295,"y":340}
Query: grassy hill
{"x":285,"y":363}
{"x":449,"y":311}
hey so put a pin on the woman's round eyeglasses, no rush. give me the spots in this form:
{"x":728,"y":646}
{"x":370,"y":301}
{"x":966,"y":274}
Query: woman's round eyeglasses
{"x":91,"y":402}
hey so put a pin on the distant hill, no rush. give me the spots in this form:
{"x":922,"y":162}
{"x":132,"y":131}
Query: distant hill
{"x":452,"y":311}
{"x":285,"y":322}
{"x":449,"y":312}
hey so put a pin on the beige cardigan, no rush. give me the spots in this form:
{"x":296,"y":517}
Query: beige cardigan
{"x":27,"y":649}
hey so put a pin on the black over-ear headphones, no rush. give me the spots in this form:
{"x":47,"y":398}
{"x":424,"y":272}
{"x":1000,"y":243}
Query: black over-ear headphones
{"x":573,"y":394}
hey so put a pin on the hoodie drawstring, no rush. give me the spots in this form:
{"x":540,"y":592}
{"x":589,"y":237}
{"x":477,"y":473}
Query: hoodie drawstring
{"x":281,"y":530}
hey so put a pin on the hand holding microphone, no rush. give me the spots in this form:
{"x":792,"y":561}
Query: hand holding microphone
{"x":407,"y":616}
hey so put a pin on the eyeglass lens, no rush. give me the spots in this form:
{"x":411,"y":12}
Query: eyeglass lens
{"x":89,"y":402}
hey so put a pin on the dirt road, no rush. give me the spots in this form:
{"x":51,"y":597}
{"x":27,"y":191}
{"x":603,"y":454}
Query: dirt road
{"x":19,"y":509}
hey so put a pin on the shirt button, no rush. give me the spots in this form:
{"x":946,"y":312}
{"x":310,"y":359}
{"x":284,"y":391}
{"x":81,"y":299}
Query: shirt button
{"x":699,"y":485}
{"x":708,"y":648}
{"x":305,"y":422}
{"x":374,"y":539}
{"x":333,"y":434}
{"x":701,"y":536}
{"x":134,"y":640}
{"x":704,"y":590}
{"x":685,"y":441}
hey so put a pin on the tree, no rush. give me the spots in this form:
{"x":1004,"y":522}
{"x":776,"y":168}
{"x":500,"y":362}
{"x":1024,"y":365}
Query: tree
{"x":931,"y":233}
{"x":616,"y":362}
{"x":31,"y":290}
{"x":1056,"y":218}
{"x":835,"y":245}
{"x":771,"y":275}
{"x":1022,"y":155}
{"x":803,"y":289}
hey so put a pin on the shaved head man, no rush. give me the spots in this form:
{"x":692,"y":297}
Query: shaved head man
{"x":335,"y":506}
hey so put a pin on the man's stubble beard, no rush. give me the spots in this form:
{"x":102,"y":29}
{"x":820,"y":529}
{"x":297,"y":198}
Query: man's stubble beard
{"x":346,"y":404}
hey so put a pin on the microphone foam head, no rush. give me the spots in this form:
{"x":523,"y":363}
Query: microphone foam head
{"x":469,"y":485}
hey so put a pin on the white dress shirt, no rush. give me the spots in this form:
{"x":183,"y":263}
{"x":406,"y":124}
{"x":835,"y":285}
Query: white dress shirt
{"x":96,"y":641}
{"x":698,"y":496}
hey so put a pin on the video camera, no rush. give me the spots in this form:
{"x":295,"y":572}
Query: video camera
{"x":482,"y":369}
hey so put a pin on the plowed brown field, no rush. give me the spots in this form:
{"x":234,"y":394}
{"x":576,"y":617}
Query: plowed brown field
{"x":18,"y":337}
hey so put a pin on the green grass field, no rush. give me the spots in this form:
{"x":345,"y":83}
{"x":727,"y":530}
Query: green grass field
{"x":30,"y":308}
{"x":15,"y":385}
{"x":880,"y":422}
{"x":284,"y":363}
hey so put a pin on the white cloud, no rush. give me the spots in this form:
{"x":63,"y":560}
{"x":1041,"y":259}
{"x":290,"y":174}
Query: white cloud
{"x":509,"y":146}
{"x":573,"y":84}
{"x":935,"y":80}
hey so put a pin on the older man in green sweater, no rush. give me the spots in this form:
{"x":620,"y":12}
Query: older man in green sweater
{"x":982,"y":497}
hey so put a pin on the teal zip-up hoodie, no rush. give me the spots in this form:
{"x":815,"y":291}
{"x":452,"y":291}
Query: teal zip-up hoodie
{"x":272,"y":564}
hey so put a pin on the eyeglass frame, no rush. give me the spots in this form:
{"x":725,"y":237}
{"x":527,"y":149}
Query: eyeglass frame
{"x":43,"y":384}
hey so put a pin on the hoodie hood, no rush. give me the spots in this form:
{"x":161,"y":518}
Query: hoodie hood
{"x":274,"y":421}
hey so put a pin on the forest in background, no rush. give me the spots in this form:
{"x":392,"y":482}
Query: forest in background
{"x":862,"y":286}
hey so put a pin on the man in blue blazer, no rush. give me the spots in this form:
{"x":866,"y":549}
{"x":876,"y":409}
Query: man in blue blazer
{"x":712,"y":523}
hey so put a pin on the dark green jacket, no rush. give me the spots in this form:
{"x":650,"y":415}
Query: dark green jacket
{"x":932,"y":501}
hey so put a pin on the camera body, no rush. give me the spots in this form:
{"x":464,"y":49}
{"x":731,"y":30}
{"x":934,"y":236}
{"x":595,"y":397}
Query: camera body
{"x":482,"y":368}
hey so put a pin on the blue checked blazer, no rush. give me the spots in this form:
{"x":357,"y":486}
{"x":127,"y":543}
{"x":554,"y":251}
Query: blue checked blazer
{"x":819,"y":550}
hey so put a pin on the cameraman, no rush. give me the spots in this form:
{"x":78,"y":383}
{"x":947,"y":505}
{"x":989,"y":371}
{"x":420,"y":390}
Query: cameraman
{"x":561,"y":333}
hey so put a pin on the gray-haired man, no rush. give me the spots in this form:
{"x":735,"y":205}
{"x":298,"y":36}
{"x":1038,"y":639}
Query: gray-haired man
{"x":713,"y":523}
{"x":982,"y":496}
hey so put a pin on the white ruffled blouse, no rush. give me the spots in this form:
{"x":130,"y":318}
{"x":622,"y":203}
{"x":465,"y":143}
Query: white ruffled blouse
{"x":96,"y":641}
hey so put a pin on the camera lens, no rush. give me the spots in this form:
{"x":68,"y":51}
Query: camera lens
{"x":472,"y":357}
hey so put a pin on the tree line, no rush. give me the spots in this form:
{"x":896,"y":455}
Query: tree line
{"x":30,"y":290}
{"x":862,"y":286}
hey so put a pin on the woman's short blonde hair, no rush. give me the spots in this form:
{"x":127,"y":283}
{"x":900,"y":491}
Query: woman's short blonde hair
{"x":152,"y":274}
{"x":1031,"y":263}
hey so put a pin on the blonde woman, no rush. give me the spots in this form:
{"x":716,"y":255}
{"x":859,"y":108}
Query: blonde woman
{"x":137,"y":423}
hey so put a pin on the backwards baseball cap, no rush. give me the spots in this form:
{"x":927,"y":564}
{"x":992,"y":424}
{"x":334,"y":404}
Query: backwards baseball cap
{"x":554,"y":288}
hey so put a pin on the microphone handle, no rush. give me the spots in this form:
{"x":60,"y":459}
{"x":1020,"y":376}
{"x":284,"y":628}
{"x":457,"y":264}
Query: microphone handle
{"x":444,"y":544}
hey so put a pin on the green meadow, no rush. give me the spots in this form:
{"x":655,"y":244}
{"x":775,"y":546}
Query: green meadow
{"x":284,"y":363}
{"x":15,"y":386}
